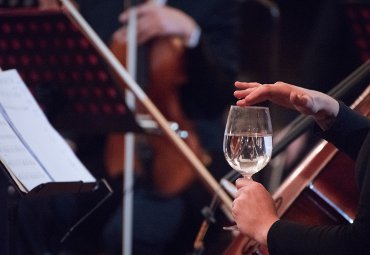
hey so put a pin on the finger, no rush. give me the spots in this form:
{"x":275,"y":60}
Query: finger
{"x":241,"y":102}
{"x":120,"y":35}
{"x":146,"y":30}
{"x":256,"y":96}
{"x":242,"y":191}
{"x":241,"y":182}
{"x":123,"y":17}
{"x":253,"y":92}
{"x":140,"y":10}
{"x":242,"y":93}
{"x":245,"y":85}
{"x":144,"y":8}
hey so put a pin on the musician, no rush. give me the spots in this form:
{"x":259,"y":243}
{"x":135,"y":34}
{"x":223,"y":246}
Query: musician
{"x":207,"y":30}
{"x":170,"y":202}
{"x":253,"y":208}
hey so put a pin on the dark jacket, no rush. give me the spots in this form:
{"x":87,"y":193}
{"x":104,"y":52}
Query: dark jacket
{"x":350,"y":134}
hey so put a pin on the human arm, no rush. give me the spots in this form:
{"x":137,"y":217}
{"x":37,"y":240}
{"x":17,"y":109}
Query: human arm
{"x":253,"y":213}
{"x":336,"y":125}
{"x":155,"y":20}
{"x":347,"y":124}
{"x":212,"y":63}
{"x":320,"y":106}
{"x":287,"y":237}
{"x":347,"y":130}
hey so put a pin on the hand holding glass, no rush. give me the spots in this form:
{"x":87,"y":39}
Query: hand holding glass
{"x":248,"y":140}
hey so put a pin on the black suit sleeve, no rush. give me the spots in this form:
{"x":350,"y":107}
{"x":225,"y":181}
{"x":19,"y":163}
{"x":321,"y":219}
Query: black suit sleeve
{"x":348,"y":132}
{"x":351,"y":134}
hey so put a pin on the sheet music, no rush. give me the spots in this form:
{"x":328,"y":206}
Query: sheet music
{"x":17,"y":159}
{"x":33,"y":140}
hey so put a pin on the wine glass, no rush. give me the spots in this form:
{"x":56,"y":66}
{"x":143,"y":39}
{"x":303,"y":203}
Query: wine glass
{"x":247,"y":142}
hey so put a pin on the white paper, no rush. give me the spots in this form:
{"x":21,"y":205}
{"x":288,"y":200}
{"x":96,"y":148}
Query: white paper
{"x":16,"y":158}
{"x":44,"y":144}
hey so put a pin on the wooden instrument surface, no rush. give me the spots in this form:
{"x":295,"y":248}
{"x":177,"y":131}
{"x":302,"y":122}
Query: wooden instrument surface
{"x":171,"y":173}
{"x":321,"y":190}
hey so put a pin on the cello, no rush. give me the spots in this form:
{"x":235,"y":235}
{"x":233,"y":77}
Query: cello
{"x":313,"y":194}
{"x":166,"y":74}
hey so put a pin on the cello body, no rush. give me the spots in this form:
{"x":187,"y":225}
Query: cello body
{"x":166,"y":74}
{"x":321,"y":190}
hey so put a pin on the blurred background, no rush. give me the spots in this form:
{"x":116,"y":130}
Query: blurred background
{"x":189,"y":54}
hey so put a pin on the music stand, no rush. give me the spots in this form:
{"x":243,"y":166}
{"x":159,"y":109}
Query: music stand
{"x":64,"y":72}
{"x":69,"y":80}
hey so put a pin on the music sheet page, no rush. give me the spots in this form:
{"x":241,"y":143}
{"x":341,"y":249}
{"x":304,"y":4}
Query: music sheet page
{"x":17,"y":159}
{"x":47,"y":156}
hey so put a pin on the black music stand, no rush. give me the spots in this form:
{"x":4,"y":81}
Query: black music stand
{"x":11,"y":197}
{"x":67,"y":76}
{"x":70,"y":82}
